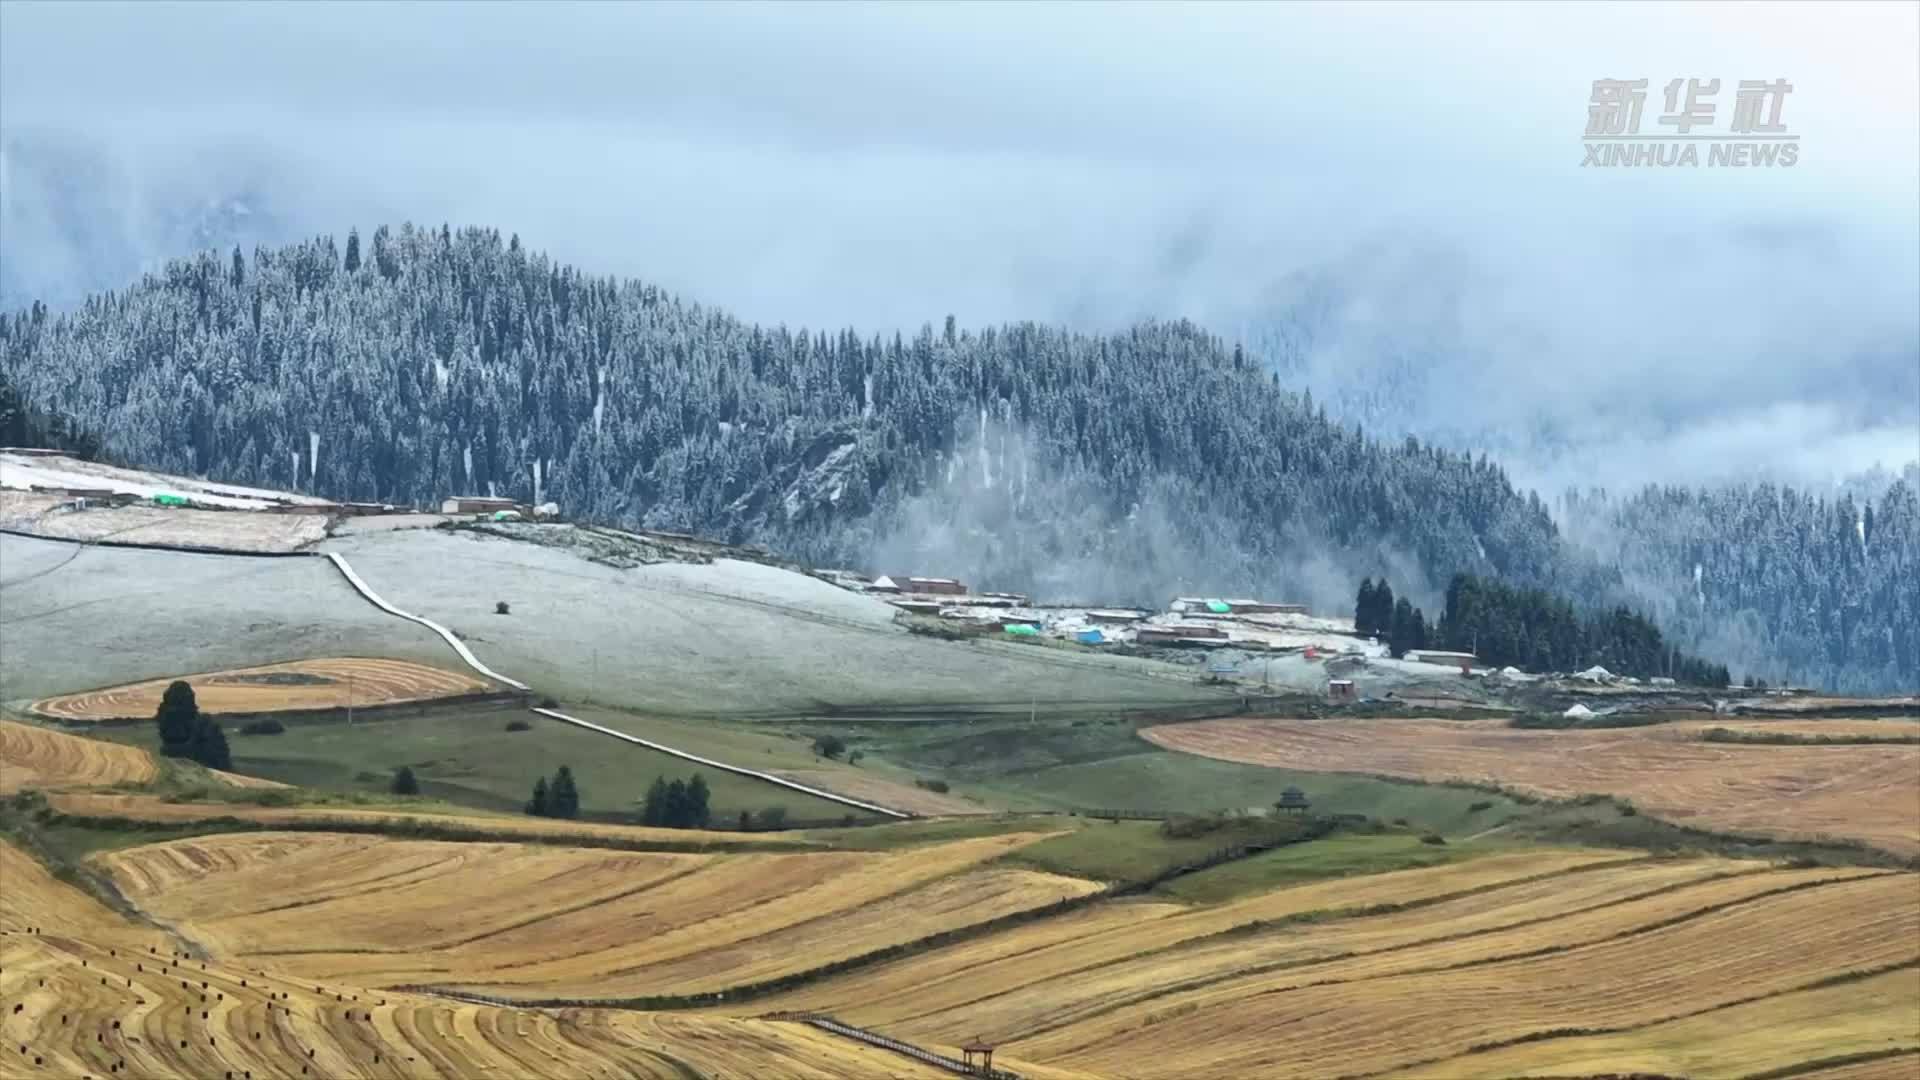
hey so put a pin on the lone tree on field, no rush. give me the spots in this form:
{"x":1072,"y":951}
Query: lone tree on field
{"x":404,"y":782}
{"x":829,"y":746}
{"x":540,"y":804}
{"x":178,"y":716}
{"x":563,"y":799}
{"x":185,"y":733}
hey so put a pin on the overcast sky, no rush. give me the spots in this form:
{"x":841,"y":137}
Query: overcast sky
{"x":883,"y":166}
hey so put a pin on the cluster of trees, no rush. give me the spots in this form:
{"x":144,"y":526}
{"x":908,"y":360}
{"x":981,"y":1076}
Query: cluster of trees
{"x":1789,"y":587}
{"x":1377,"y":613}
{"x":21,"y":424}
{"x":1538,"y":631}
{"x":681,"y":804}
{"x":558,"y":799}
{"x":436,"y":361}
{"x":187,"y":733}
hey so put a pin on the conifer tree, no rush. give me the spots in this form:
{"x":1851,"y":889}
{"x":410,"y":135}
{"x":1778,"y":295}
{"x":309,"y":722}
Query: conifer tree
{"x":675,"y":814}
{"x":404,"y":782}
{"x":563,"y":799}
{"x":698,"y":814}
{"x":654,"y":810}
{"x":210,"y":745}
{"x":541,"y":805}
{"x":178,"y":717}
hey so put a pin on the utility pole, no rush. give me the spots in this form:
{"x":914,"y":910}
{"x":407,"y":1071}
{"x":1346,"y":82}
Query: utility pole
{"x":349,"y":699}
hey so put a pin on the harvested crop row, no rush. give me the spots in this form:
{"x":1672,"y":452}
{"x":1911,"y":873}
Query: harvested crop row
{"x":949,"y":979}
{"x":560,"y":922}
{"x":39,"y":758}
{"x":961,"y":900}
{"x":96,"y":996}
{"x":1769,"y":946}
{"x":1868,"y":793}
{"x":1501,"y":922}
{"x":302,"y":684}
{"x":1876,"y":1014}
{"x":268,"y":891}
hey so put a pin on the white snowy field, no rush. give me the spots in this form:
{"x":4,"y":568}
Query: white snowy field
{"x":22,"y":471}
{"x":723,"y":639}
{"x":75,"y":618}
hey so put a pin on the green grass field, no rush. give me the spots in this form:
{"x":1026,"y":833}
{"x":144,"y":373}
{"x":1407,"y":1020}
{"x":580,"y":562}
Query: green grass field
{"x":1184,"y":783}
{"x":1138,"y":850}
{"x":1340,"y":855}
{"x":470,"y":759}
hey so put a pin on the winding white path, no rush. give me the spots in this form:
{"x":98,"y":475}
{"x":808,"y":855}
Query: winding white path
{"x":340,"y":563}
{"x":346,"y":570}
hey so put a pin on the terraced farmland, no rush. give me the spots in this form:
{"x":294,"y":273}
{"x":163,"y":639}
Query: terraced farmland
{"x":40,"y":758}
{"x":1673,"y":956}
{"x":508,"y":920}
{"x":89,"y":994}
{"x":1873,"y":1016}
{"x":1056,"y":952}
{"x":1866,"y":793}
{"x":34,"y":757}
{"x":1449,"y":970}
{"x":302,"y":684}
{"x":1376,"y":1015}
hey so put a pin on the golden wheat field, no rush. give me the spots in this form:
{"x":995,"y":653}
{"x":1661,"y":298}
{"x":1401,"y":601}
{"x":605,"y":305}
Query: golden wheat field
{"x":1664,"y":963}
{"x":35,"y":757}
{"x":47,"y":760}
{"x":1442,"y":1007}
{"x":535,"y":922}
{"x":85,"y":993}
{"x":1038,"y":954}
{"x":1866,"y":793}
{"x":302,"y":684}
{"x":1872,"y":1016}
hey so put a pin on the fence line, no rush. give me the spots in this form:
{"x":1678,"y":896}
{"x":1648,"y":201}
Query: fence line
{"x":939,"y":1061}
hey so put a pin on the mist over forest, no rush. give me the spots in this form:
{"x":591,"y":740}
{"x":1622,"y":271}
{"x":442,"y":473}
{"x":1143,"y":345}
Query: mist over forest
{"x":1126,"y":466}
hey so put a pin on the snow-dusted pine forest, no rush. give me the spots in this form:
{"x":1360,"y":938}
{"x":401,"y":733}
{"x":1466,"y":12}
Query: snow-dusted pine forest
{"x":427,"y":362}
